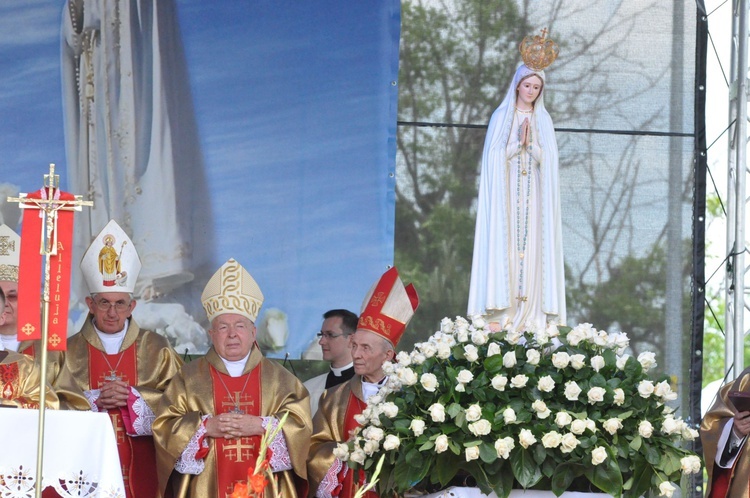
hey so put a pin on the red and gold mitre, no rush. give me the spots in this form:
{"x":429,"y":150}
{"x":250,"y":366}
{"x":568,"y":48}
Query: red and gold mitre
{"x":538,"y":52}
{"x":10,"y":254}
{"x":388,"y":307}
{"x":232,"y":290}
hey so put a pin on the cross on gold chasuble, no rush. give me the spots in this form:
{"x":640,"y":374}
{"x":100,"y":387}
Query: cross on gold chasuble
{"x":137,"y":454}
{"x":235,"y":456}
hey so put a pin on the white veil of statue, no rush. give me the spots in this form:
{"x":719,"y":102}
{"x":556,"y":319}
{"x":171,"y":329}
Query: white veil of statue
{"x":517,"y":276}
{"x":132,"y":144}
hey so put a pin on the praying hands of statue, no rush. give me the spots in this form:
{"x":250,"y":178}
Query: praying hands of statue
{"x":742,"y":424}
{"x":234,"y":425}
{"x":525,"y":133}
{"x":113,"y":394}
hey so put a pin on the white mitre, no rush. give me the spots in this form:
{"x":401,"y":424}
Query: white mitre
{"x":111,"y":263}
{"x":232,"y":290}
{"x":10,"y":254}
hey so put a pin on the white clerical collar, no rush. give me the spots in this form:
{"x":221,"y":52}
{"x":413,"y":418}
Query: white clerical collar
{"x":338,"y":371}
{"x":371,"y":388}
{"x":9,"y":342}
{"x":235,"y":368}
{"x":112,"y":342}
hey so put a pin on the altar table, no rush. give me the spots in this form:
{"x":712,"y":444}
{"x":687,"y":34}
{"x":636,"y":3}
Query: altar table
{"x":80,"y":454}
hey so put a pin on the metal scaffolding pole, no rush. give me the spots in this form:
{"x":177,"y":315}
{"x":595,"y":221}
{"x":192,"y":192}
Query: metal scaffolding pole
{"x":736,"y":197}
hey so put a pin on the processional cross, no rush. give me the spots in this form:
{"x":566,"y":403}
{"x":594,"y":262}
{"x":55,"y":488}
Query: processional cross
{"x":48,"y":206}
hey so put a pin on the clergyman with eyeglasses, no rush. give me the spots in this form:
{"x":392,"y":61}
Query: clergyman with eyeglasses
{"x":121,"y":368}
{"x":335,"y":342}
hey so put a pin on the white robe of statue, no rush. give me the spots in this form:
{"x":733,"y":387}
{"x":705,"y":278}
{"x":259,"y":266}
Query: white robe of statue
{"x":131,"y":138}
{"x":517,"y":274}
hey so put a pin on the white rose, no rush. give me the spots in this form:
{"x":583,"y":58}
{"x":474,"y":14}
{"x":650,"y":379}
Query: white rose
{"x":360,"y":419}
{"x":539,"y":406}
{"x":513,"y":336}
{"x":546,"y":384}
{"x":671,"y":425}
{"x":619,"y":341}
{"x":460,"y":388}
{"x":621,"y":361}
{"x":341,"y":451}
{"x":688,"y":433}
{"x":446,"y":325}
{"x":465,"y":376}
{"x":664,"y":391}
{"x":371,"y":447}
{"x":572,"y":391}
{"x":417,"y":427}
{"x":612,"y":425}
{"x":481,"y":427}
{"x":461,"y":323}
{"x":690,"y":464}
{"x":509,"y":415}
{"x":526,"y":438}
{"x":562,"y":419}
{"x":403,"y":358}
{"x":596,"y":395}
{"x":417,"y":358}
{"x":408,"y":377}
{"x":443,"y":351}
{"x":598,"y":455}
{"x":441,"y":443}
{"x":478,"y":322}
{"x":471,"y":453}
{"x":666,"y":489}
{"x":560,"y":360}
{"x":645,"y":388}
{"x":647,"y":360}
{"x":601,"y":338}
{"x":541,"y":337}
{"x":389,"y":409}
{"x":519,"y":381}
{"x":388,"y":368}
{"x":375,"y":399}
{"x":493,"y":349}
{"x":568,"y":443}
{"x":552,"y":439}
{"x":619,"y":397}
{"x":532,"y":356}
{"x":429,"y":382}
{"x":462,"y":334}
{"x":478,"y":337}
{"x":509,"y":359}
{"x":575,"y":336}
{"x":473,"y":413}
{"x":358,"y":456}
{"x":578,"y":361}
{"x":437,"y":412}
{"x":597,"y":363}
{"x":428,"y":349}
{"x":471,"y":353}
{"x":391,"y":442}
{"x":499,"y":382}
{"x":373,"y":433}
{"x":552,"y":330}
{"x":578,"y":427}
{"x":645,"y":429}
{"x":504,"y":446}
{"x":590,"y":425}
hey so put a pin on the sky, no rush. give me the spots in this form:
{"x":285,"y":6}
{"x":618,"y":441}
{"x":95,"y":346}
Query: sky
{"x":296,"y":114}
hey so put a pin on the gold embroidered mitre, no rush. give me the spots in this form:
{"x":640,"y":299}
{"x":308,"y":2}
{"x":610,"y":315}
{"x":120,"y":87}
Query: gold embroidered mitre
{"x":388,"y":307}
{"x":10,"y":247}
{"x":232,"y":290}
{"x":538,"y":52}
{"x":111,"y":263}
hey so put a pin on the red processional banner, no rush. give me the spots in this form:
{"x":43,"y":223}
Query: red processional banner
{"x":30,"y":285}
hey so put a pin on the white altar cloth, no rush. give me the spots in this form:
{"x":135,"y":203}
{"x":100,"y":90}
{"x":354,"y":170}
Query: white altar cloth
{"x":80,"y":454}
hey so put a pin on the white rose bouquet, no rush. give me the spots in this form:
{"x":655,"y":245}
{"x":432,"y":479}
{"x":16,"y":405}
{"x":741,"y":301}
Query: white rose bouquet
{"x":548,"y":409}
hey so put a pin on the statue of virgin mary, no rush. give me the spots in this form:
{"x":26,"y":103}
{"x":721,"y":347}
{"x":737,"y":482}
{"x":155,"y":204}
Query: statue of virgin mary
{"x":517,"y":276}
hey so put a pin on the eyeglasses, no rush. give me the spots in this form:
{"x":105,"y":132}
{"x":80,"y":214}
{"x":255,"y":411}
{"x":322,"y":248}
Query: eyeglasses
{"x":119,"y":306}
{"x":328,"y":335}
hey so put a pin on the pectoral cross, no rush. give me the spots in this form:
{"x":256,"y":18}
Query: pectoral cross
{"x":236,"y":403}
{"x":112,"y":376}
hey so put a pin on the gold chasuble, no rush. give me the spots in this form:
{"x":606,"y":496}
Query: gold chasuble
{"x":204,"y":387}
{"x":332,"y":424}
{"x":734,"y":482}
{"x":20,"y":380}
{"x":146,"y":362}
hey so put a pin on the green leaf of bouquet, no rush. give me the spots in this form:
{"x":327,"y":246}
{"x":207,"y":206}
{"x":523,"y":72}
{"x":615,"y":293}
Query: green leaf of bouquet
{"x":525,"y":469}
{"x":610,"y":358}
{"x":607,"y":477}
{"x":625,"y":415}
{"x":445,"y":469}
{"x":404,"y":476}
{"x":636,"y":443}
{"x":487,"y":452}
{"x":427,"y":446}
{"x":502,"y":484}
{"x":539,"y":453}
{"x":642,"y":476}
{"x":652,"y":454}
{"x":670,"y":463}
{"x":564,"y":475}
{"x":597,"y":380}
{"x":453,"y":409}
{"x":493,"y":364}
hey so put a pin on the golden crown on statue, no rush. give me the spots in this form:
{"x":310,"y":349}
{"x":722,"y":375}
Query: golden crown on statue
{"x":538,"y":52}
